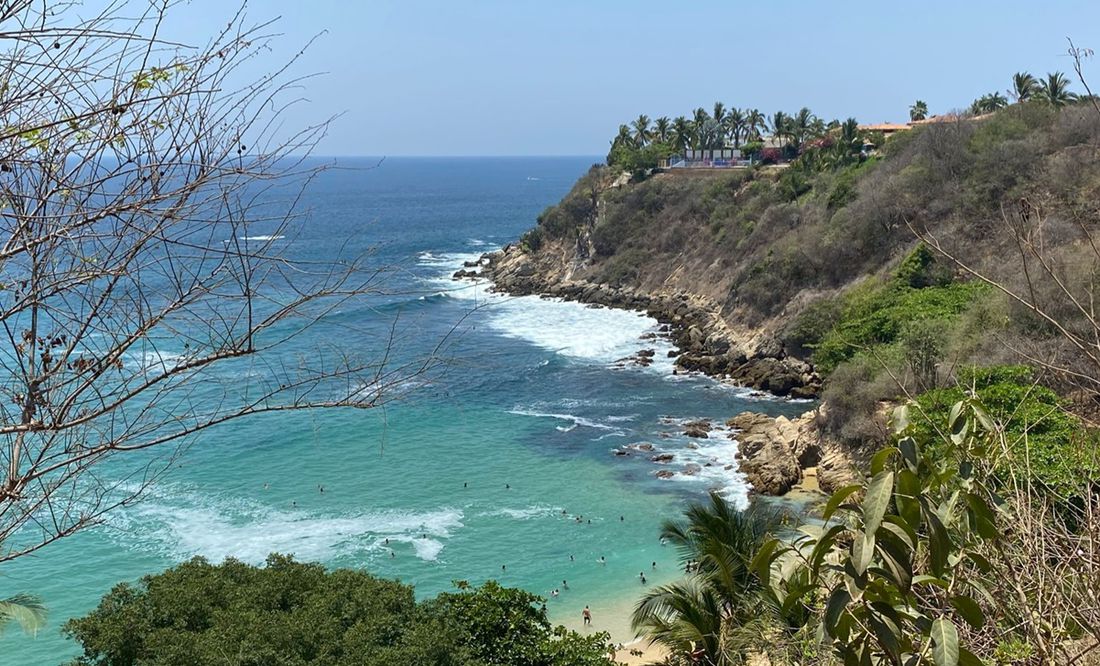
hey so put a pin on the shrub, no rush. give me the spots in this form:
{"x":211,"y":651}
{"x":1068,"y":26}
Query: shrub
{"x":879,"y":314}
{"x":293,"y":614}
{"x":1041,"y":430}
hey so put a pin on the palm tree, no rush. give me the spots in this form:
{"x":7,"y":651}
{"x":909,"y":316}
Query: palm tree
{"x":919,"y":111}
{"x":682,"y":132}
{"x":662,"y":129}
{"x":989,"y":103}
{"x":722,"y":594}
{"x":719,"y":112}
{"x":735,"y":126}
{"x":1024,"y":86}
{"x":25,"y":609}
{"x":1054,"y":90}
{"x":641,"y":130}
{"x":623,"y":138}
{"x":755,"y":125}
{"x":802,"y":126}
{"x":780,"y":125}
{"x":698,"y":121}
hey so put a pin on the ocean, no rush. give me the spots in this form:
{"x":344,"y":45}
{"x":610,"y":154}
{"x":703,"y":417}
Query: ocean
{"x":499,"y":464}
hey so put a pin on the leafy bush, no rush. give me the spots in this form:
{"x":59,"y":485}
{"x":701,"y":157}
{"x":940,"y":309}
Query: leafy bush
{"x":294,"y":614}
{"x":881,"y":314}
{"x":1054,"y":450}
{"x":897,"y":576}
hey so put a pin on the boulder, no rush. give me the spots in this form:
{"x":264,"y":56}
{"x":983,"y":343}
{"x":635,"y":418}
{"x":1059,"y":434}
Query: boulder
{"x":662,"y":458}
{"x":665,"y":474}
{"x":773,"y":452}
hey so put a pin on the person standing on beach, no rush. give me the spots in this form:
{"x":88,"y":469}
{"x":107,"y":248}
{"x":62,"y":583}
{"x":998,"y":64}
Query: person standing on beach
{"x":587,"y":615}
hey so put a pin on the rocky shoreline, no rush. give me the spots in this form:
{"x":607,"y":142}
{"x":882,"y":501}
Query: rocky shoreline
{"x":775,"y":454}
{"x":707,"y":343}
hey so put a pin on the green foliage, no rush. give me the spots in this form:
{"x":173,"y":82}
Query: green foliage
{"x":881,"y":314}
{"x":1033,"y":418}
{"x":25,"y":609}
{"x":920,"y":269}
{"x":499,"y":625}
{"x":721,"y":593}
{"x":638,"y":160}
{"x":901,"y":569}
{"x":290,"y":613}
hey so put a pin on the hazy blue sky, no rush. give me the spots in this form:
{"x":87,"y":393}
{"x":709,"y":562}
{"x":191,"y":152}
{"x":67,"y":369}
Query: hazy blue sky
{"x":420,"y":77}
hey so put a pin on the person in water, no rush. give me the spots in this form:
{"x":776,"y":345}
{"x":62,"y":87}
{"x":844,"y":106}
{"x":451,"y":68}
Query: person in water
{"x":587,"y":615}
{"x":603,"y":560}
{"x":564,"y":585}
{"x":554,"y":593}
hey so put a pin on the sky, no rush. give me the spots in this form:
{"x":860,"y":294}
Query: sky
{"x":557,"y":77}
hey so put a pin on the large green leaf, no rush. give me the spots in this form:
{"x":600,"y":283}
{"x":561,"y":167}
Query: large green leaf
{"x":863,"y":550}
{"x":879,"y":460}
{"x":837,"y":603}
{"x":983,"y":520}
{"x":877,"y":500}
{"x":969,"y":610}
{"x":945,"y":643}
{"x":838,"y":497}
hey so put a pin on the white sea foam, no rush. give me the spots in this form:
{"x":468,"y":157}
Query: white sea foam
{"x":523,"y":514}
{"x":184,"y":525}
{"x":575,"y":420}
{"x":151,"y":360}
{"x":707,"y":460}
{"x":260,"y":238}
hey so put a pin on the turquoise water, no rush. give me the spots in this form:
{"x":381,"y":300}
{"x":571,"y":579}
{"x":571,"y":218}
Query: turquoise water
{"x":499,"y":464}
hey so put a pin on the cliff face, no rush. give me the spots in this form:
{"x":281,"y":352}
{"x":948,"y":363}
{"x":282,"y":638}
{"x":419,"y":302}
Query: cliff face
{"x":734,"y":259}
{"x":760,"y":274}
{"x":709,"y":342}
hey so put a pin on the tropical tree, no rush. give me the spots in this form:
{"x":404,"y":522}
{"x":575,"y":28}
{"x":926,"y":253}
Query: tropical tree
{"x":623,"y":138}
{"x":1054,"y":90}
{"x":662,"y":129}
{"x":699,"y":121}
{"x":722,"y":594}
{"x":682,"y":133}
{"x":735,"y":126}
{"x":719,"y":112}
{"x":25,"y":609}
{"x":988,"y":103}
{"x":780,"y":124}
{"x":801,"y":126}
{"x":1024,"y":86}
{"x":641,"y":130}
{"x":755,"y":125}
{"x":919,"y":110}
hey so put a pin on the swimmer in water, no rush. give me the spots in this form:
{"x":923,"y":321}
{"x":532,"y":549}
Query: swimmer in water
{"x":554,"y":593}
{"x":564,"y":585}
{"x":603,"y":560}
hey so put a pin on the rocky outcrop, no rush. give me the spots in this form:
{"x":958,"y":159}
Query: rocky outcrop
{"x":775,"y":452}
{"x":707,"y":343}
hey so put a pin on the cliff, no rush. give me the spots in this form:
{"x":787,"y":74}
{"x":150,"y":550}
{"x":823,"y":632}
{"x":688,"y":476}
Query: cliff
{"x":812,"y":281}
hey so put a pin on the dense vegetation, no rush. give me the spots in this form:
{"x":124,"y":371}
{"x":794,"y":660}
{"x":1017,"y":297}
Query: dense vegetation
{"x":294,"y":614}
{"x":818,"y":252}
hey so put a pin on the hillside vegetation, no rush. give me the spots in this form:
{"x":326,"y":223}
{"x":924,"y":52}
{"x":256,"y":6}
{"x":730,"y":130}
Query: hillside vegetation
{"x":828,"y":258}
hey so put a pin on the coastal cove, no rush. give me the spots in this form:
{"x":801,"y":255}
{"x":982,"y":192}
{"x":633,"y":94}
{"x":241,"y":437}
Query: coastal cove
{"x":532,"y":451}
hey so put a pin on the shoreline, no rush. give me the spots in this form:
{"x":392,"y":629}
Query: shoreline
{"x":707,"y":344}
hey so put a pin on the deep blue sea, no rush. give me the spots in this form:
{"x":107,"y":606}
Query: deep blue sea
{"x":498,"y":464}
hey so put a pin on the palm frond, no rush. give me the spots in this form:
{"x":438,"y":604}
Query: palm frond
{"x":25,"y":609}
